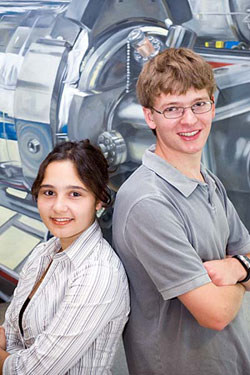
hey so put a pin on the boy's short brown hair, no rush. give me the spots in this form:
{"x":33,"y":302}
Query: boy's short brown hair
{"x":174,"y":71}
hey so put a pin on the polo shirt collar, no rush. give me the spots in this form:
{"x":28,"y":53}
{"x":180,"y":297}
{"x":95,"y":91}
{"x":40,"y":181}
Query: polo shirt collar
{"x":173,"y":176}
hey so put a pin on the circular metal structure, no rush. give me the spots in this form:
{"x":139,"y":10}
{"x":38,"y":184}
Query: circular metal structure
{"x":113,"y":147}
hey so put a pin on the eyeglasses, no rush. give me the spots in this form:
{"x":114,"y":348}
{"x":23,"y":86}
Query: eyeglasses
{"x":197,"y":108}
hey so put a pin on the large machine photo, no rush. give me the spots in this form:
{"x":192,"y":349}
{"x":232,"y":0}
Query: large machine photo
{"x":68,"y":71}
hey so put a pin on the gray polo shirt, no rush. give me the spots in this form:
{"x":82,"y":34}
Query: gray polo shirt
{"x":165,"y":225}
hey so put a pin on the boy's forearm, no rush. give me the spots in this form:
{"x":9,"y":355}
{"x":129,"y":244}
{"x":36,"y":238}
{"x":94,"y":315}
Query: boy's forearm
{"x":214,"y":306}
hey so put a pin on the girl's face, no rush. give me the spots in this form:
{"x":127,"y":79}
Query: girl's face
{"x":65,"y":204}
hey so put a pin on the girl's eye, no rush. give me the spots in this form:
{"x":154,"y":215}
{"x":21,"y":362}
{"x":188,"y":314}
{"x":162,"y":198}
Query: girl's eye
{"x":48,"y":192}
{"x":75,"y":194}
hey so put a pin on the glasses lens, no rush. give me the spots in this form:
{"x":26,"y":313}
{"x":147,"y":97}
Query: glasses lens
{"x":202,"y":107}
{"x":173,"y":112}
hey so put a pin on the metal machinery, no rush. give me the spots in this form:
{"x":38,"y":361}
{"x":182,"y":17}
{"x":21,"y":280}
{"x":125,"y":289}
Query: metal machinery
{"x":68,"y":70}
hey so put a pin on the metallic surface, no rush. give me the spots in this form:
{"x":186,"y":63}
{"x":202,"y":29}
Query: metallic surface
{"x":68,"y":70}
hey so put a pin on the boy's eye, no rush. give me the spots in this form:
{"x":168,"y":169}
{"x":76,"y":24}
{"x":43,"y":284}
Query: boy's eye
{"x":172,"y":109}
{"x":199,"y":104}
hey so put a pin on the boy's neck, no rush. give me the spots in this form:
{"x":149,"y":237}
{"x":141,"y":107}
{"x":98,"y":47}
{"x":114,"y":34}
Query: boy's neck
{"x":187,"y":164}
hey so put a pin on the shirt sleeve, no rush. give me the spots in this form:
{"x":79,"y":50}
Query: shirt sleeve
{"x":156,"y":233}
{"x":13,"y":344}
{"x":94,"y":298}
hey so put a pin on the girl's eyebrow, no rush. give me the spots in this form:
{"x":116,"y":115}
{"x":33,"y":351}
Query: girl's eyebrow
{"x":48,"y":186}
{"x":76,"y":187}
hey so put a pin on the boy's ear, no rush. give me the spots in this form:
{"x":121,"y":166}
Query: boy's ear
{"x":149,"y":117}
{"x":213,"y":106}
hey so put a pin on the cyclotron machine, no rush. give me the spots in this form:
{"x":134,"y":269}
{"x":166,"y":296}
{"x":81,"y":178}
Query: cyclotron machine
{"x":68,"y":70}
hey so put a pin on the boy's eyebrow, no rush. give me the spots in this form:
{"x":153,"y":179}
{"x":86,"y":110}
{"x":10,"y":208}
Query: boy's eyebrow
{"x":180,"y":104}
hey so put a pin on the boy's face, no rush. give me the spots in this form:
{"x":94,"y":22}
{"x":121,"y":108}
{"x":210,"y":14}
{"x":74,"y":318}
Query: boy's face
{"x":184,"y":135}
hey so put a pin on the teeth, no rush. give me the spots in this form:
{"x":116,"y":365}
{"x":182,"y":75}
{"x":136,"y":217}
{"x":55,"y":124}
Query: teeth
{"x":189,"y":134}
{"x":61,"y":219}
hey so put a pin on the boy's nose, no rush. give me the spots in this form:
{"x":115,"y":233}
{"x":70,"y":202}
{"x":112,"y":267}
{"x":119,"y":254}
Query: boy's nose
{"x":189,"y":116}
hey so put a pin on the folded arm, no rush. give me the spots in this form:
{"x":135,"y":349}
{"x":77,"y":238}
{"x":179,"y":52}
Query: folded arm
{"x":226,"y":271}
{"x":214,"y":306}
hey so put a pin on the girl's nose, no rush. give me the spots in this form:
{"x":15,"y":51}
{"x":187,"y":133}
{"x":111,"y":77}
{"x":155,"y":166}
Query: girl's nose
{"x":60,"y":204}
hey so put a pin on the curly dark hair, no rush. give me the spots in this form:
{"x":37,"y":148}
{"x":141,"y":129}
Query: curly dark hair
{"x":90,"y":163}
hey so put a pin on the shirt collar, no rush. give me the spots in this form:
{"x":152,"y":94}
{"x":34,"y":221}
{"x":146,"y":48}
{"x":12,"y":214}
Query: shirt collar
{"x":83,"y":246}
{"x":173,"y":176}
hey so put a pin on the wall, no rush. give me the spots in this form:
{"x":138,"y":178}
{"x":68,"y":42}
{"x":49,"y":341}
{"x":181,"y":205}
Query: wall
{"x":68,"y":71}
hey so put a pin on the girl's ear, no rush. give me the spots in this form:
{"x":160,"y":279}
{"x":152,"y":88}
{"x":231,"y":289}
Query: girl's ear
{"x":98,"y":205}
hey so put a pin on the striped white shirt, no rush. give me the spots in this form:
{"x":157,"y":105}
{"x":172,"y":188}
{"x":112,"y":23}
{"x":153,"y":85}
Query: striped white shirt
{"x":73,"y":323}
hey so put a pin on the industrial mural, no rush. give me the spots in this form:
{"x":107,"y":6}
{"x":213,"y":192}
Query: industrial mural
{"x":68,"y":71}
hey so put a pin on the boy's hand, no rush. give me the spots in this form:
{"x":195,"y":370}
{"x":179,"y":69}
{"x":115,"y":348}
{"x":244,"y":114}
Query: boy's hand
{"x":226,"y":271}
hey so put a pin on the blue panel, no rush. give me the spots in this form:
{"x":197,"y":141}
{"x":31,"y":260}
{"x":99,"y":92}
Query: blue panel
{"x":64,"y":129}
{"x":8,"y":131}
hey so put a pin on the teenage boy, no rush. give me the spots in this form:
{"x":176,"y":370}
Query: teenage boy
{"x":179,"y":236}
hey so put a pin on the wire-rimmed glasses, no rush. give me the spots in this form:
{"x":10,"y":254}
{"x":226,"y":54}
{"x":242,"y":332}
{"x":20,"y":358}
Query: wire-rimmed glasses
{"x":197,"y":108}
